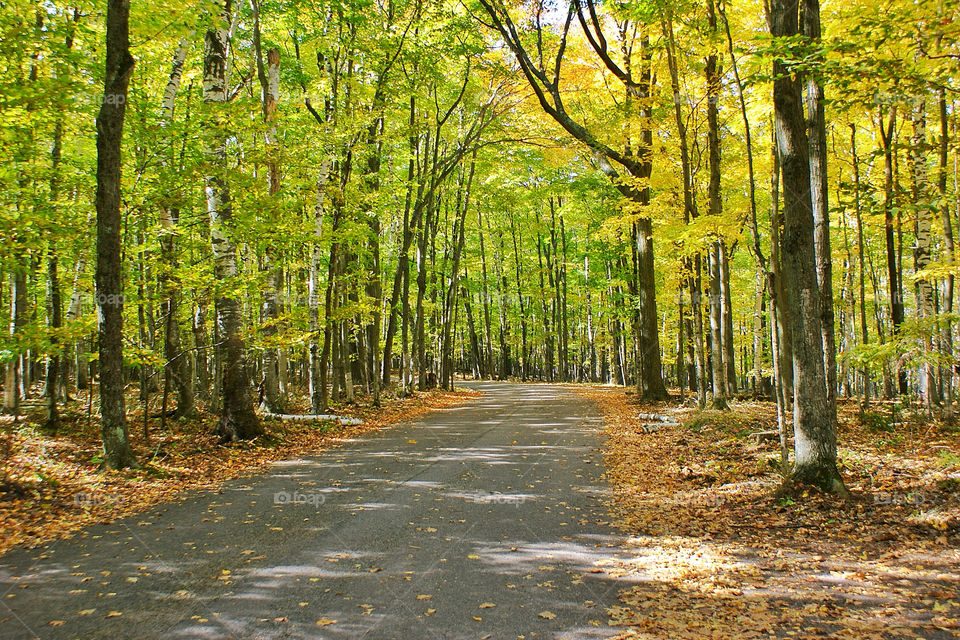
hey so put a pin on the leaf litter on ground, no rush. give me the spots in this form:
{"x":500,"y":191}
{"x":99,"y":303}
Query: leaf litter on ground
{"x":714,"y":552}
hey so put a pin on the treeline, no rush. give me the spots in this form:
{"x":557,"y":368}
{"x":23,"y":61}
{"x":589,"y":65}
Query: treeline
{"x":315,"y":201}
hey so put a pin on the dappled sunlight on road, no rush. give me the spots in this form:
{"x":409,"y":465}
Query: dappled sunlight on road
{"x":479,"y":521}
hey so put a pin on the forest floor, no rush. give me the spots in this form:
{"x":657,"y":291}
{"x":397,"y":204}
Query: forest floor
{"x":50,"y":486}
{"x":717,"y":554}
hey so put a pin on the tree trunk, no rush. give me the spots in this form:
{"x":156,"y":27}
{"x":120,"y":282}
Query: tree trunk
{"x":177,"y":368}
{"x":487,"y":330}
{"x":54,"y":306}
{"x":117,"y":453}
{"x":524,"y":356}
{"x":726,"y":330}
{"x":717,"y":307}
{"x":893,"y":265}
{"x":269,"y":75}
{"x":718,"y":369}
{"x":921,"y":253}
{"x":947,"y":329}
{"x":862,"y":264}
{"x":314,"y":372}
{"x":237,"y":420}
{"x":815,"y":440}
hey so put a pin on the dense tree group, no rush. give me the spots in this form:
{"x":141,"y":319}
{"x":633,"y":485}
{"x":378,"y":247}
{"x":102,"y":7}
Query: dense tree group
{"x":324,"y":199}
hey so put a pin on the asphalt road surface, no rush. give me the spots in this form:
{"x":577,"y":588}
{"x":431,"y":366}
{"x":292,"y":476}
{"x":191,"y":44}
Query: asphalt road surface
{"x":481,"y":521}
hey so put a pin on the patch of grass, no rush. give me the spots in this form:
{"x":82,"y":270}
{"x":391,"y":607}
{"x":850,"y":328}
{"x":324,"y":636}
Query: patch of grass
{"x":876,"y":422}
{"x":951,"y":427}
{"x":949,"y":485}
{"x":739,"y":422}
{"x":948,"y":459}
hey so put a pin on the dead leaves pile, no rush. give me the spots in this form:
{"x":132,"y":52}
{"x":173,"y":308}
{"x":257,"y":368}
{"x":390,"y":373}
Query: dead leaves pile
{"x":715,"y":554}
{"x":50,"y":487}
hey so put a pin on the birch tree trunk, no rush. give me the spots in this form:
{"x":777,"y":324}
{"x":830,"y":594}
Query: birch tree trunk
{"x":921,"y":253}
{"x":237,"y":420}
{"x":269,"y":74}
{"x":177,"y":368}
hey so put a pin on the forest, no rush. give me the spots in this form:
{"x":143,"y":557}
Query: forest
{"x":284,"y":206}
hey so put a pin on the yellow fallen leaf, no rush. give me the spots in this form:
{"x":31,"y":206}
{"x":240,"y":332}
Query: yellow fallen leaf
{"x":477,"y":618}
{"x":322,"y":622}
{"x":487,"y":605}
{"x":56,"y":623}
{"x":114,"y":614}
{"x":85,"y":612}
{"x":424,"y":596}
{"x":547,"y":615}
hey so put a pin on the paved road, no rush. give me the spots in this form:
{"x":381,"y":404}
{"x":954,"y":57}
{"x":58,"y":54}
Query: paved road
{"x":412,"y":532}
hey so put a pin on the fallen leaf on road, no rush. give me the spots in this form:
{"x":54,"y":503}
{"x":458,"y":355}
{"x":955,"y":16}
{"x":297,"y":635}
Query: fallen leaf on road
{"x":547,"y":615}
{"x":322,"y":622}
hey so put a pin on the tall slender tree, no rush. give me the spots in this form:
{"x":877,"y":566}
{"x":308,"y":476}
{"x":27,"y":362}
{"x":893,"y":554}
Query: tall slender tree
{"x":117,"y":453}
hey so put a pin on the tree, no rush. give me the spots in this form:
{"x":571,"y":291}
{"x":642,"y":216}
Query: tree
{"x":117,"y":453}
{"x":815,"y":438}
{"x":237,"y":418}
